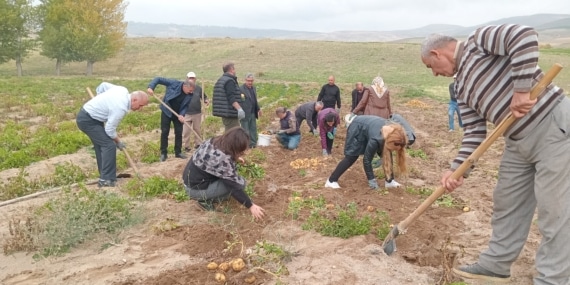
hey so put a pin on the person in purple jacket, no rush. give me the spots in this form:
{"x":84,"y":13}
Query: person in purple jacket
{"x":328,"y":120}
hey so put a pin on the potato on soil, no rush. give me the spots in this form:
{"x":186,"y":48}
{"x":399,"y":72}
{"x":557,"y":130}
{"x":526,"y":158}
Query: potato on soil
{"x":237,"y":264}
{"x":212,"y":266}
{"x":466,"y":209}
{"x":329,"y":206}
{"x":250,"y":279}
{"x":220,"y":277}
{"x":370,"y":209}
{"x":224,"y":266}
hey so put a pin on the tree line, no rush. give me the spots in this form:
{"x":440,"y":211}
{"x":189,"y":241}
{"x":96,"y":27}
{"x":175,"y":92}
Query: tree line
{"x":64,"y":30}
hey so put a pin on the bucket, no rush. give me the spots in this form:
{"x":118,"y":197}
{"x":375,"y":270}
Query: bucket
{"x":263,"y":140}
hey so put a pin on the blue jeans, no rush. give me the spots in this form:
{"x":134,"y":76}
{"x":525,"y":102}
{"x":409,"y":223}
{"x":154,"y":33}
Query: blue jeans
{"x":453,"y":108}
{"x":289,"y":141}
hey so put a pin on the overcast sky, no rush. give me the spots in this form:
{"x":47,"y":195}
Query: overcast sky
{"x":335,"y":15}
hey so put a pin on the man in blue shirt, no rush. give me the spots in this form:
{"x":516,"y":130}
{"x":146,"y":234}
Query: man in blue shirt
{"x":177,"y":96}
{"x":99,"y":119}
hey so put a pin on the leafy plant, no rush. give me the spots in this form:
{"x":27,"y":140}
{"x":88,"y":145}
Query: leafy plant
{"x":417,"y":153}
{"x":447,"y":201}
{"x":271,"y":257}
{"x":344,"y":225}
{"x":298,"y":203}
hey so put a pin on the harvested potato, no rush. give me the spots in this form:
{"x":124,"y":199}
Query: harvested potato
{"x":250,"y":279}
{"x":370,"y":209}
{"x":212,"y":266}
{"x":220,"y":277}
{"x":298,"y":198}
{"x":391,"y":225}
{"x":224,"y":266}
{"x":237,"y":264}
{"x":329,"y":206}
{"x":466,"y":209}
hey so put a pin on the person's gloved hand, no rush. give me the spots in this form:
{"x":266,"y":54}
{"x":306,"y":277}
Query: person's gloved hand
{"x":241,"y":113}
{"x":121,"y":145}
{"x":281,"y":131}
{"x":330,"y":135}
{"x":314,"y":132}
{"x":392,"y":184}
{"x":325,"y":152}
{"x":373,"y":184}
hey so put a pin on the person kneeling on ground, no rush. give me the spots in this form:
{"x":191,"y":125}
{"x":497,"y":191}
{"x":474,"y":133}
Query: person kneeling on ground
{"x":328,"y":120}
{"x":369,"y":135}
{"x":289,"y":135}
{"x":211,"y":174}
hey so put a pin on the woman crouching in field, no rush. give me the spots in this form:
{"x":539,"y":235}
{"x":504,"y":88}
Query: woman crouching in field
{"x":370,"y":135}
{"x":211,"y":174}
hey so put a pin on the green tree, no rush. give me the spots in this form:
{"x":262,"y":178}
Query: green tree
{"x":16,"y":28}
{"x":83,"y":30}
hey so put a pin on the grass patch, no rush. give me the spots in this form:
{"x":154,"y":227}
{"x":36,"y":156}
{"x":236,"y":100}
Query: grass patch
{"x":423,"y":192}
{"x":156,"y":186}
{"x":71,"y":219}
{"x":271,"y":257}
{"x":65,"y":174}
{"x":298,"y":203}
{"x":417,"y":153}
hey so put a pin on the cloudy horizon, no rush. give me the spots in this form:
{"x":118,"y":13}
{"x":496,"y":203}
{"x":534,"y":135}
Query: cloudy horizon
{"x":330,"y":16}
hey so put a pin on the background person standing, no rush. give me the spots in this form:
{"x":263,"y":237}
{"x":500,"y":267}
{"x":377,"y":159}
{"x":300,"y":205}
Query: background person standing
{"x":330,"y":94}
{"x":227,"y":98}
{"x":193,"y":115}
{"x":251,"y":109}
{"x":453,"y":107}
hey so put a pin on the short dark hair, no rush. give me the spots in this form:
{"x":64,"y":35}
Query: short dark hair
{"x":234,"y":142}
{"x":228,"y":66}
{"x":330,"y":117}
{"x":189,"y":83}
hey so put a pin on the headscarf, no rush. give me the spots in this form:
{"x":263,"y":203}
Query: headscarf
{"x":378,"y":86}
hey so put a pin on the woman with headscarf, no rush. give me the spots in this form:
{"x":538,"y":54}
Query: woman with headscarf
{"x":370,"y":135}
{"x":211,"y":174}
{"x":376,"y":100}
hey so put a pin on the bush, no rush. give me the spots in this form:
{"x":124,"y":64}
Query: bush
{"x":157,"y":187}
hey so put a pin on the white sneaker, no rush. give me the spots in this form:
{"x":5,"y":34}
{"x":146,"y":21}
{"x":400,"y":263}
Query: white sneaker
{"x":451,"y":130}
{"x":392,"y":184}
{"x":333,"y":185}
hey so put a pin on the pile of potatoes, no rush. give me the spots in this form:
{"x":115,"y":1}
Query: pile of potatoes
{"x":305,"y":163}
{"x":417,"y":104}
{"x":237,"y":265}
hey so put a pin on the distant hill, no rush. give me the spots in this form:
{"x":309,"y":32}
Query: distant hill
{"x":554,"y":27}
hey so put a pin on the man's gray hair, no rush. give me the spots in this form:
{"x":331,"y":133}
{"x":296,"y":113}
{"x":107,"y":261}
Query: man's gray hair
{"x":249,"y":75}
{"x":435,"y":41}
{"x":319,"y":103}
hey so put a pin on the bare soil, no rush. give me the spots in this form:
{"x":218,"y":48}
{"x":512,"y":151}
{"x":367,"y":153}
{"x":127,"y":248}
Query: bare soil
{"x":439,"y":239}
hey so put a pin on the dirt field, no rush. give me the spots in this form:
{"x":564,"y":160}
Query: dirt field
{"x":441,"y":238}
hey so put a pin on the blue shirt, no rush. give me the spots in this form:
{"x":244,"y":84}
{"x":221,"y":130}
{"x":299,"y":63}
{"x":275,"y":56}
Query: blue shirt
{"x":110,"y":107}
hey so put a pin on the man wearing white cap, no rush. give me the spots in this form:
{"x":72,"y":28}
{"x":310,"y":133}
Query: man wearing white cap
{"x":193,"y":115}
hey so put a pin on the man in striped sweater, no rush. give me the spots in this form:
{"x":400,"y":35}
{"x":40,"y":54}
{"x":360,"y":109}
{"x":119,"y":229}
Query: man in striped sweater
{"x":496,"y":68}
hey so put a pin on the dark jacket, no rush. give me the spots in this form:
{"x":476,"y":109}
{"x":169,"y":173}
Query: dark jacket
{"x":306,"y":112}
{"x":195,"y":105}
{"x":364,"y":137}
{"x":407,"y":128}
{"x":330,"y":95}
{"x":356,"y":97}
{"x":289,"y":124}
{"x":250,"y":104}
{"x":173,"y":90}
{"x":324,"y":128}
{"x":226,"y":92}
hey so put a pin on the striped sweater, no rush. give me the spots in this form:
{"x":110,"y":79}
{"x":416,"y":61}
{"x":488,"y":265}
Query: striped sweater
{"x":495,"y":62}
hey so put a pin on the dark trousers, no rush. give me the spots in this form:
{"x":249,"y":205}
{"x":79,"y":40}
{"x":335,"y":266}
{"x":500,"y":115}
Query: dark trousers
{"x":165,"y":128}
{"x":342,"y":167}
{"x":301,"y":119}
{"x":329,"y":145}
{"x":105,"y":147}
{"x":216,"y":192}
{"x":250,"y":125}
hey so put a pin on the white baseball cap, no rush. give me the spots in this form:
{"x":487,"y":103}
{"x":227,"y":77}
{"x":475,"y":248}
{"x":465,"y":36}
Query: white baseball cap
{"x":191,"y":75}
